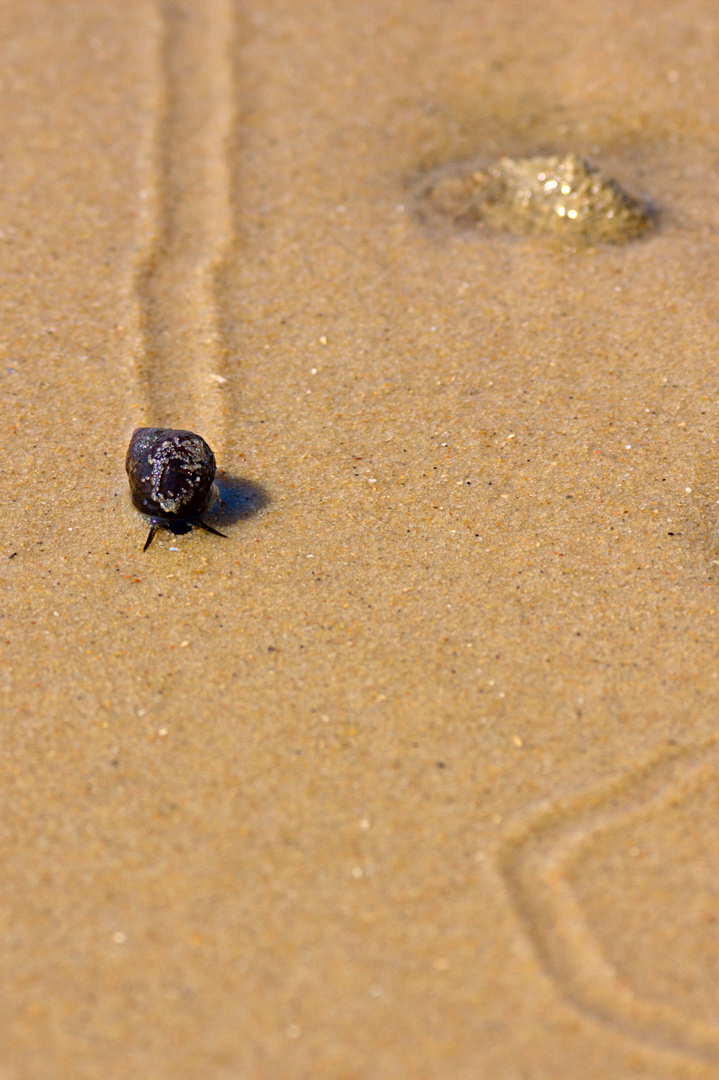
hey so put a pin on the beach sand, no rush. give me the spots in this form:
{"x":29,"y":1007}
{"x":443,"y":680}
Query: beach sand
{"x":415,"y":774}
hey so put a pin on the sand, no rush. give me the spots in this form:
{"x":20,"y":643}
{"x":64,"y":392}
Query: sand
{"x":414,"y":775}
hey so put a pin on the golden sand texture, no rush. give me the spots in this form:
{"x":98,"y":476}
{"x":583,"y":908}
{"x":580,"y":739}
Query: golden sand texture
{"x":413,"y":775}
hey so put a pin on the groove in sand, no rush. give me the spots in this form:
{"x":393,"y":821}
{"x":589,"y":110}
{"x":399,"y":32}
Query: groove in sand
{"x":187,"y":221}
{"x":535,"y":859}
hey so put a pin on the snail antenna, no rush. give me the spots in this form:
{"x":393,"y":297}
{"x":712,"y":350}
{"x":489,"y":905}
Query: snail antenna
{"x":208,"y":528}
{"x":153,"y":529}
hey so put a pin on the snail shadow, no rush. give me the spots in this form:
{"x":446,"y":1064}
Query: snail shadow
{"x":240,"y":499}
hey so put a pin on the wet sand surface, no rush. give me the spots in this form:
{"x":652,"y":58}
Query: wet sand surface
{"x":415,"y":774}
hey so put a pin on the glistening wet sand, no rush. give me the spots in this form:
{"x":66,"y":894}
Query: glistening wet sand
{"x":415,"y":774}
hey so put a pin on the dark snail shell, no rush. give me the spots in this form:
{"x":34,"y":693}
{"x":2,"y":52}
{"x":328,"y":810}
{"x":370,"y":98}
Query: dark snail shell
{"x":171,"y":474}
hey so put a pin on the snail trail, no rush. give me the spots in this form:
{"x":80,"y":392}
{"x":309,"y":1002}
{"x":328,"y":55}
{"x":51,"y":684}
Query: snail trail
{"x":186,"y":230}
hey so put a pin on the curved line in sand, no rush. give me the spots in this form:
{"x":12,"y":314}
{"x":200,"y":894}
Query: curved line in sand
{"x":534,"y":860}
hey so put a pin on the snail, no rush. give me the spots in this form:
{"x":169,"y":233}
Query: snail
{"x":171,"y":474}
